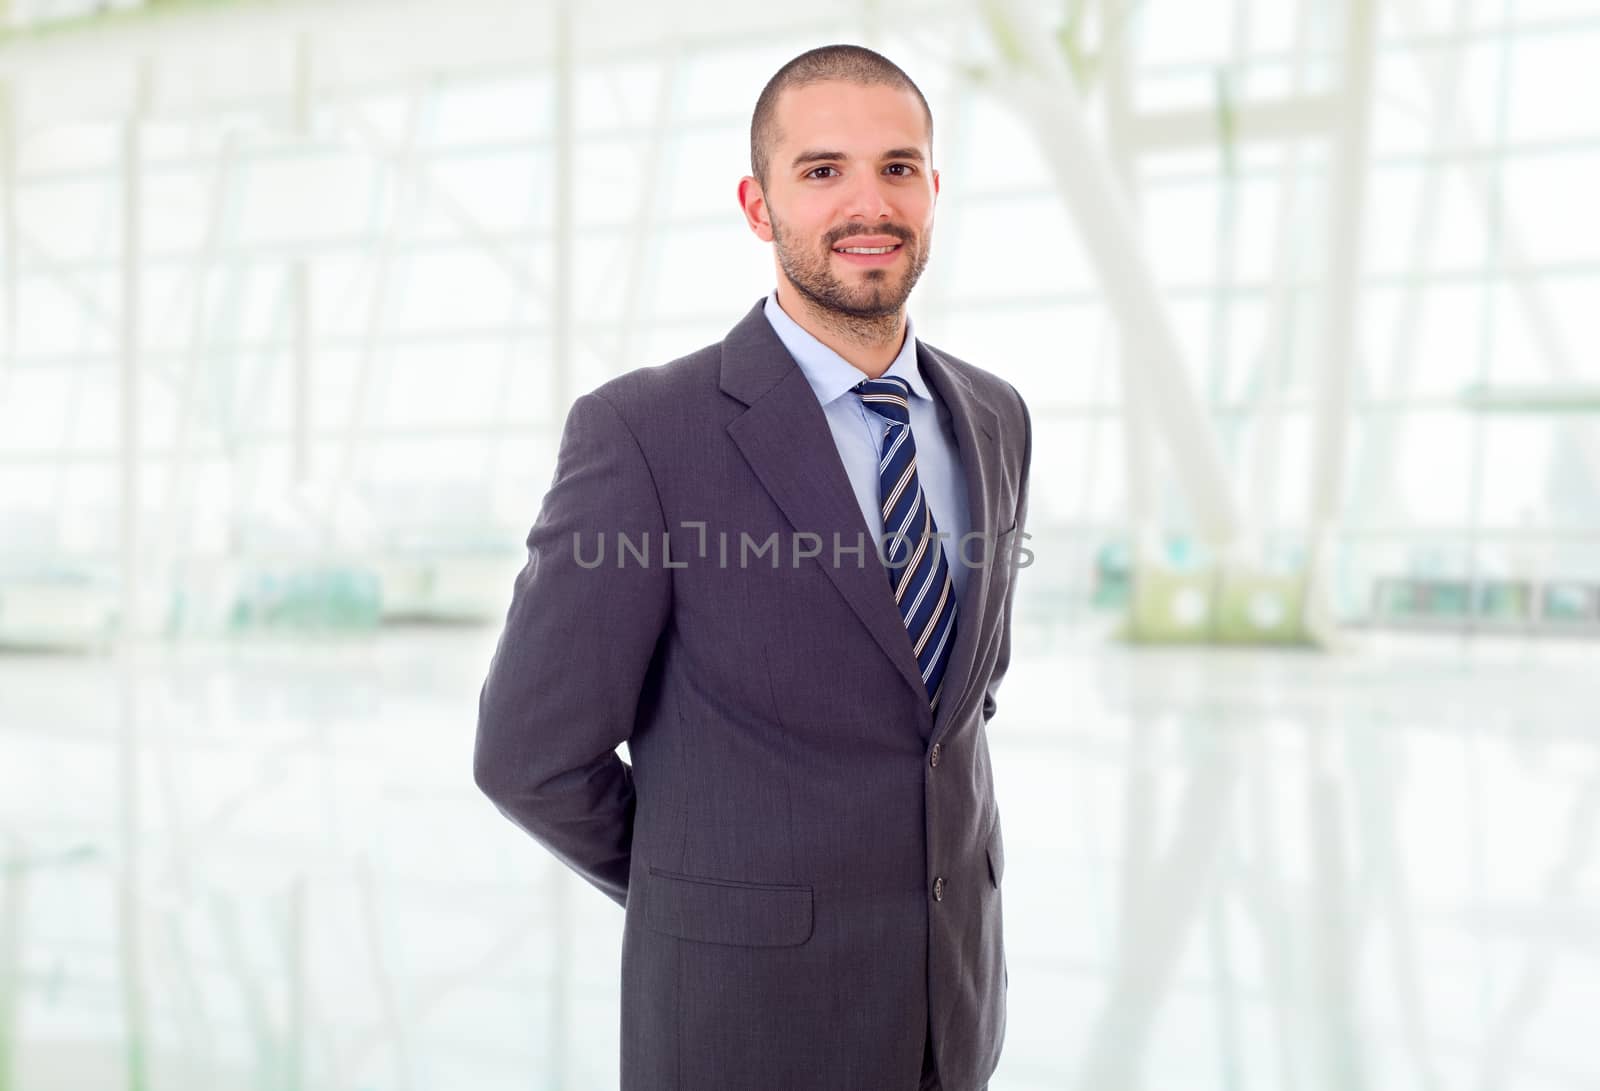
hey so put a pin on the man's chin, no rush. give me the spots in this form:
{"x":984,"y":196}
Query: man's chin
{"x":874,"y":294}
{"x":883,"y":304}
{"x":869,"y":307}
{"x":870,"y":298}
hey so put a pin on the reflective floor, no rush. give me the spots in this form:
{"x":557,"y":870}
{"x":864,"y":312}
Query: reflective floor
{"x":1225,"y":870}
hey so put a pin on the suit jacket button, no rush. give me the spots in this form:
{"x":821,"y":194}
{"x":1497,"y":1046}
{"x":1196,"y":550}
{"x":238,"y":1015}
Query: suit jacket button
{"x":938,"y":889}
{"x":933,"y":757}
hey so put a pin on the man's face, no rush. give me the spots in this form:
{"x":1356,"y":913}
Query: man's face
{"x":850,"y":168}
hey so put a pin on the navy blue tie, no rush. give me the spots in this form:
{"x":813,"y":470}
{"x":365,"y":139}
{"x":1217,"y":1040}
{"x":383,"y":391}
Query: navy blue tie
{"x":919,"y":573}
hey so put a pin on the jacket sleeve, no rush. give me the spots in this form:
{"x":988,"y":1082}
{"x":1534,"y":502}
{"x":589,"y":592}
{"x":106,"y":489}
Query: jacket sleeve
{"x":564,"y":683}
{"x":1003,"y":658}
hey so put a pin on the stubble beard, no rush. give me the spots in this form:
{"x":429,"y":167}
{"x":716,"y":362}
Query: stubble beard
{"x":869,"y":311}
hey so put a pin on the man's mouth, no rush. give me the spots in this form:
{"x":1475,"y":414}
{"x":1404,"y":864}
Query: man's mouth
{"x":876,"y":252}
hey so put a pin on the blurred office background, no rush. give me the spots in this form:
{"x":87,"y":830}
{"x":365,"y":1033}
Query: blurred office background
{"x":1298,"y":754}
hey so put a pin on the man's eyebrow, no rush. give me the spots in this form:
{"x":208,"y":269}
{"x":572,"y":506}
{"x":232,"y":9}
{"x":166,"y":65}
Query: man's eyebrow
{"x":824,"y":156}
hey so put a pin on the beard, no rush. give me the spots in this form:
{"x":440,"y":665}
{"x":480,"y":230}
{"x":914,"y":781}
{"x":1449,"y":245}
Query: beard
{"x":866,"y":303}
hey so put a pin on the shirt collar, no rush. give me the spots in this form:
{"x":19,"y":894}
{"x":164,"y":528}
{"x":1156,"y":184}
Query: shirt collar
{"x":830,"y":374}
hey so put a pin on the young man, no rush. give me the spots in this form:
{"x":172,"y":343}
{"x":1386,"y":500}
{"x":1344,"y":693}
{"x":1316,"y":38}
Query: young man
{"x":781,"y":568}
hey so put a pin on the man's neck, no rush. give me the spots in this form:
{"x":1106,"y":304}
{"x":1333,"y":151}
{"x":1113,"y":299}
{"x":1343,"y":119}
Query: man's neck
{"x":869,"y":345}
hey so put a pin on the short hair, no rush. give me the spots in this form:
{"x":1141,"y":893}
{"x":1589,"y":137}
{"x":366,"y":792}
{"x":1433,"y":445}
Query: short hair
{"x":848,"y":63}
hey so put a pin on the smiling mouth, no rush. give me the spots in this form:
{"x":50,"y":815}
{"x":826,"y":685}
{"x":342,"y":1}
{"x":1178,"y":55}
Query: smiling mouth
{"x":866,"y":249}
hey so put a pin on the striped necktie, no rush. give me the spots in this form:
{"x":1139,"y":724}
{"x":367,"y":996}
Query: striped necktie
{"x":919,"y":573}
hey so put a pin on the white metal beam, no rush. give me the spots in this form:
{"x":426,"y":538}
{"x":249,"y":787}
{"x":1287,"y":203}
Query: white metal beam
{"x":1138,"y":426}
{"x":564,"y":253}
{"x":1278,"y":339}
{"x":563,"y":977}
{"x":130,"y":916}
{"x":1342,"y":308}
{"x":8,"y":234}
{"x":1249,"y":122}
{"x":643,"y":255}
{"x":1038,"y":84}
{"x":300,"y":287}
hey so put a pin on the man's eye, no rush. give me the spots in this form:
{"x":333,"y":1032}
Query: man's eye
{"x":814,"y":170}
{"x":907,"y":167}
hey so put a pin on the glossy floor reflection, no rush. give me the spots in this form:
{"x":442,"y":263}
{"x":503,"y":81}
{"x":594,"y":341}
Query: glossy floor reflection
{"x":1225,"y":870}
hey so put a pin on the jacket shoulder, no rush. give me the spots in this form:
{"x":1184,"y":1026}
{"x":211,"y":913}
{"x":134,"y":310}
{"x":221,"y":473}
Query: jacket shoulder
{"x":1001,"y":396}
{"x":648,"y":392}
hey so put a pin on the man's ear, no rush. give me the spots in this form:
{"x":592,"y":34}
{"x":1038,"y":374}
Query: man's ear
{"x":753,"y":202}
{"x":936,"y":183}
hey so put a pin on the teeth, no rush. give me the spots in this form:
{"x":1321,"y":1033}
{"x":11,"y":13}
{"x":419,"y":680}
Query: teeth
{"x":866,"y":249}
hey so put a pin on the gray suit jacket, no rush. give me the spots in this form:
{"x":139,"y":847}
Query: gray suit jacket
{"x":809,"y":859}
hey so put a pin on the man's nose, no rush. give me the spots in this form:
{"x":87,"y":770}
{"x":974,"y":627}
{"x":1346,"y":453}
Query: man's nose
{"x":868,"y":200}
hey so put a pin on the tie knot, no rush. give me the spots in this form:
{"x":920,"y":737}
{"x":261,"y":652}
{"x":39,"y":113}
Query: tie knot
{"x":889,"y":397}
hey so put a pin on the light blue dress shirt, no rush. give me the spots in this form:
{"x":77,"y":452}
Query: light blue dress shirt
{"x":858,"y":432}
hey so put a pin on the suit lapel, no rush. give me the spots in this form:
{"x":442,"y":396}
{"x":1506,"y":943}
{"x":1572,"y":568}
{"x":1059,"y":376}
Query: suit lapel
{"x":975,"y":426}
{"x":785,"y":438}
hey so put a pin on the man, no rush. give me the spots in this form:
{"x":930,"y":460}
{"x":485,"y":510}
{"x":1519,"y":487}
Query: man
{"x":806,"y":842}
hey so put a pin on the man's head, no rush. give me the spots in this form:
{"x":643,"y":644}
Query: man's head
{"x":841,"y":153}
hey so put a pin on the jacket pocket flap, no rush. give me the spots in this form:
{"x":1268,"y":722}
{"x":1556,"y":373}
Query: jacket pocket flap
{"x":706,"y":910}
